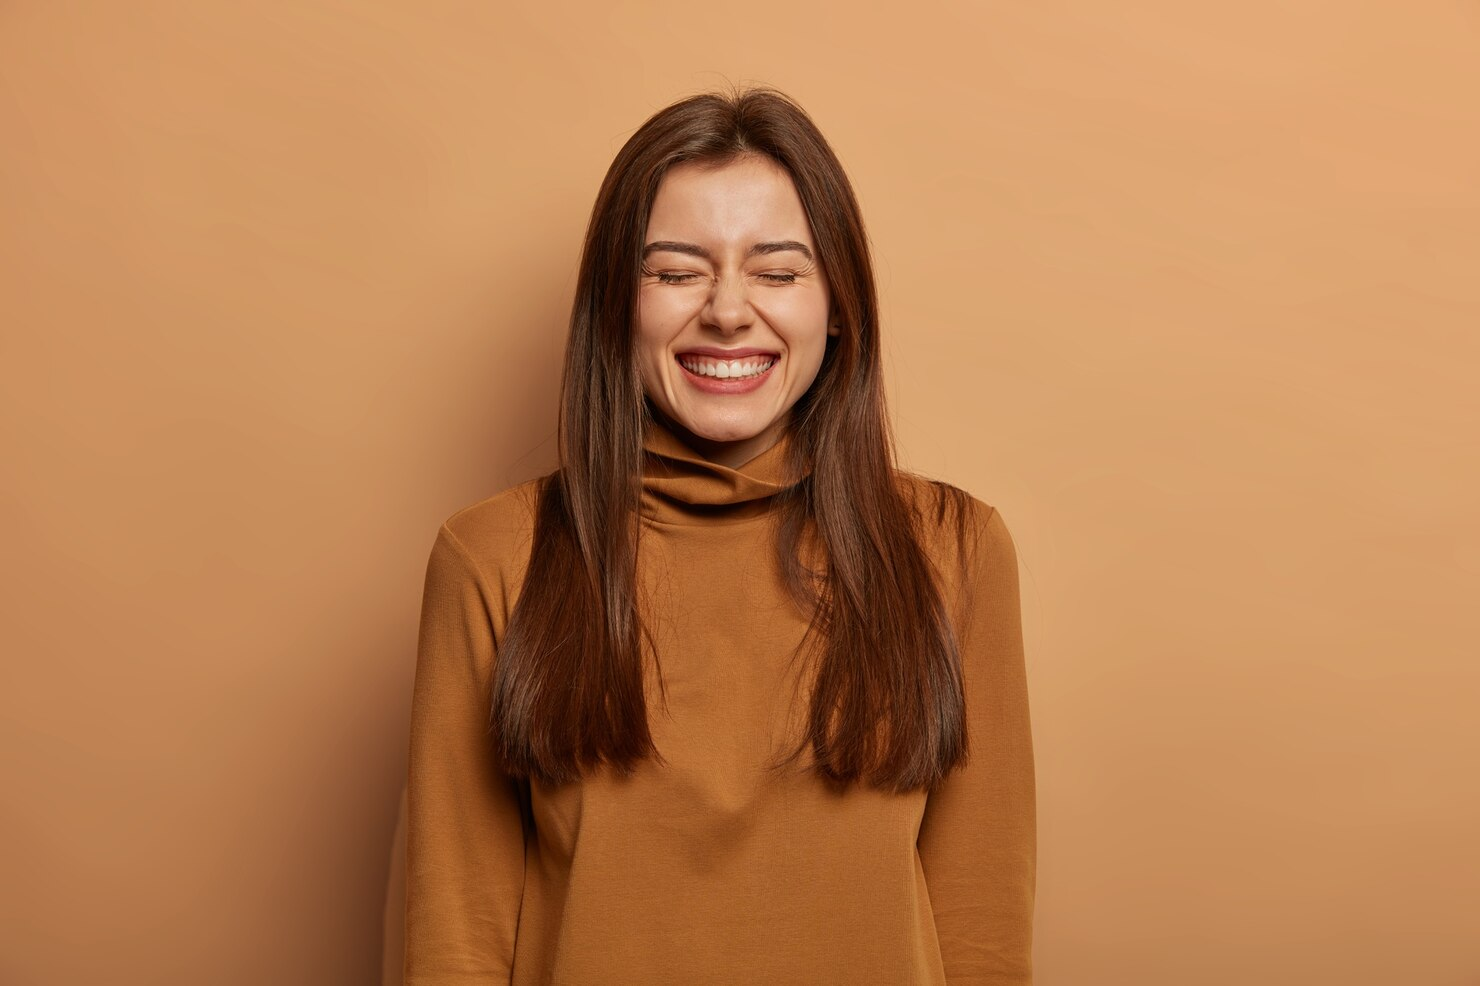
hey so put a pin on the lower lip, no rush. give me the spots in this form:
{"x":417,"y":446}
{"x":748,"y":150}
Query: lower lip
{"x":729,"y":385}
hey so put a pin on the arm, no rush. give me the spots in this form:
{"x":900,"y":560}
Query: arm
{"x":978,"y":837}
{"x":465,"y":834}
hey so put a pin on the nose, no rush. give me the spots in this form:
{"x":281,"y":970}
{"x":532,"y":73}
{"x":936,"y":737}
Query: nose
{"x":727,"y":309}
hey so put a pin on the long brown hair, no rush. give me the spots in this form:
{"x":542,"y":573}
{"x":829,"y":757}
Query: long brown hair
{"x":887,"y":702}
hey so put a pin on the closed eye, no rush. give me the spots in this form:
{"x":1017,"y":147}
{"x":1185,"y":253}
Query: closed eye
{"x":674,"y":277}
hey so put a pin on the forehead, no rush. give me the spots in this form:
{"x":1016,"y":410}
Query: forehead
{"x":742,"y":201}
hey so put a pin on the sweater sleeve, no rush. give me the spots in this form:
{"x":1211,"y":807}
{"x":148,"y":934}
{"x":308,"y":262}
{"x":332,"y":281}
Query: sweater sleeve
{"x":465,"y":834}
{"x":978,"y":837}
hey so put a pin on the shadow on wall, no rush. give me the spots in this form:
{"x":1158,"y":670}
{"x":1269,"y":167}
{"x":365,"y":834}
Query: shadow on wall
{"x":393,"y":959}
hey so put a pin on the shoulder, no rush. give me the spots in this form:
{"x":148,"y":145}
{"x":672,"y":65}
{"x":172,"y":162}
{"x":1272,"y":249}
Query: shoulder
{"x":495,"y":534}
{"x":946,"y":513}
{"x":964,"y":535}
{"x":505,"y":514}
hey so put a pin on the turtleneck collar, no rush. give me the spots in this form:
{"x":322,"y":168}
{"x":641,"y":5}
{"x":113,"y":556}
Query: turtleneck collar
{"x":680,"y":486}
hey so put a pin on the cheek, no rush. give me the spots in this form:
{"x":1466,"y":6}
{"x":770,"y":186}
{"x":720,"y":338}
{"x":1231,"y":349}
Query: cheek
{"x":652,"y":322}
{"x":667,"y":311}
{"x":800,"y":317}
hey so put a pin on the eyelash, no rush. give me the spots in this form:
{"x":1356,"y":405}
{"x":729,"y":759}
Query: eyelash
{"x":667,"y":277}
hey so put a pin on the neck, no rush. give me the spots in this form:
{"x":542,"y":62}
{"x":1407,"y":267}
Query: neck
{"x":732,"y":453}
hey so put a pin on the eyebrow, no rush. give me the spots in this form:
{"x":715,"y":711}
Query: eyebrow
{"x":694,"y":250}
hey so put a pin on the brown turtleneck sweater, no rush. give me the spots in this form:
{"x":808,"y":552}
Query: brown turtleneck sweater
{"x":709,"y":869}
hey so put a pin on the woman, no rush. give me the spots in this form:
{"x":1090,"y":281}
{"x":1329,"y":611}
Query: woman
{"x":727,"y":698}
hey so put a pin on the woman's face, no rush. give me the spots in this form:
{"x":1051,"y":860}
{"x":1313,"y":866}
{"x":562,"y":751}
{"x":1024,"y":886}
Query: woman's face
{"x":733,"y":305}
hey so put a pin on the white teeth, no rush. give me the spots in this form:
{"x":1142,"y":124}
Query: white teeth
{"x":728,"y":369}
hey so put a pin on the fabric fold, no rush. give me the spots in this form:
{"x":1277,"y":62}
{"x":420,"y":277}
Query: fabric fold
{"x":679,"y":485}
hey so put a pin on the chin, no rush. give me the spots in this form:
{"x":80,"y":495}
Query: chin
{"x":726,"y":434}
{"x":711,"y":425}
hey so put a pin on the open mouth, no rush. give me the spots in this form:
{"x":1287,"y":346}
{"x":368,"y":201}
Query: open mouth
{"x":727,"y":377}
{"x":749,"y":367}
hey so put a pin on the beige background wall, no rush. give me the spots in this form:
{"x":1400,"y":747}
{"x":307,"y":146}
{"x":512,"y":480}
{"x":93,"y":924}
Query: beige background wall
{"x":1188,"y":291}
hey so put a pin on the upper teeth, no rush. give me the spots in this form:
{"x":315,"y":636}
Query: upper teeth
{"x":724,"y":369}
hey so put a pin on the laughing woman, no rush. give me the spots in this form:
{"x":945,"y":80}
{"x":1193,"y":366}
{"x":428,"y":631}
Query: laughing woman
{"x":728,"y":697}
